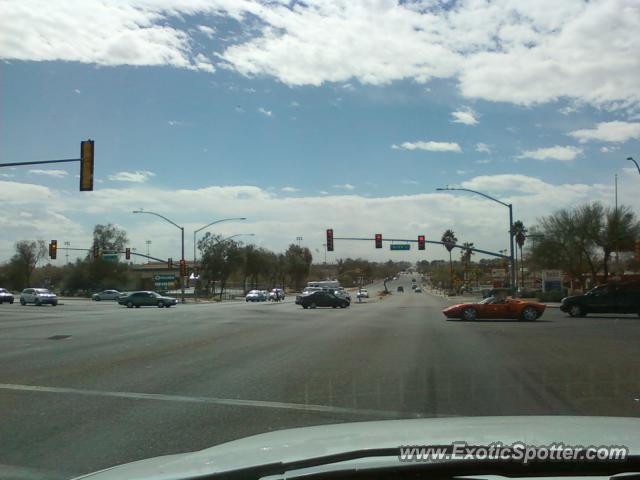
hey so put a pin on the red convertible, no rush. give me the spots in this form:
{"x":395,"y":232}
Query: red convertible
{"x":496,"y":308}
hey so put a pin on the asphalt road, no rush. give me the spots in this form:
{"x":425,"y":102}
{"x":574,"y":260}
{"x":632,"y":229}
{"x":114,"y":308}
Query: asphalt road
{"x":125,"y":384}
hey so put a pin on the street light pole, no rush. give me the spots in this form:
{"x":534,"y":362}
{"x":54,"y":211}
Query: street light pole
{"x":636,"y":163}
{"x":182,"y":244}
{"x":207,"y":226}
{"x":511,"y":244}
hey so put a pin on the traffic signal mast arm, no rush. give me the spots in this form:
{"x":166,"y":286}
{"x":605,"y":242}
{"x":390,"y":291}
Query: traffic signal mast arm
{"x":413,"y":240}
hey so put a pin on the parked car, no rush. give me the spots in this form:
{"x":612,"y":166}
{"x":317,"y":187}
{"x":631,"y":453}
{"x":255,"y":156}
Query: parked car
{"x":414,"y":286}
{"x":256,"y":296}
{"x":6,"y":296}
{"x":322,"y":299}
{"x":496,"y":307}
{"x":363,"y":293}
{"x":38,"y":296}
{"x":417,"y":290}
{"x":614,"y":297}
{"x":106,"y":295}
{"x":146,"y":299}
{"x":400,"y":289}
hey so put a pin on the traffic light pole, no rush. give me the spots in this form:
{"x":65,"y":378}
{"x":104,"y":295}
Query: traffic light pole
{"x":183,"y":262}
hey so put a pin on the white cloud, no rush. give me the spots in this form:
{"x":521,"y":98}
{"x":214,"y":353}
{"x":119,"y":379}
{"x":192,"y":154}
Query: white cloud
{"x":49,"y":172}
{"x":290,"y":189}
{"x":208,"y":31}
{"x":278,"y":219}
{"x":463,"y":172}
{"x":609,"y":132}
{"x":410,"y":182}
{"x":483,"y":148}
{"x":429,"y":146}
{"x":345,"y":186}
{"x":266,"y":113}
{"x":483,"y":161}
{"x":174,"y":123}
{"x":609,"y":149}
{"x":563,"y":154}
{"x":505,"y":50}
{"x":139,"y":176}
{"x":77,"y":90}
{"x":466,"y":116}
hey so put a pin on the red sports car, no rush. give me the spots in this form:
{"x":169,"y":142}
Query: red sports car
{"x":495,"y":308}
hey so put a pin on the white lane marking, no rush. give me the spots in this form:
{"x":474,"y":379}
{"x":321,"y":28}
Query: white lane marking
{"x":213,"y":400}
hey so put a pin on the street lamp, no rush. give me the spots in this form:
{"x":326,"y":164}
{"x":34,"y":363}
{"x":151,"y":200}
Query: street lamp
{"x":510,"y":207}
{"x":637,"y":166}
{"x":236,"y":235}
{"x":182,"y":243}
{"x":207,"y":226}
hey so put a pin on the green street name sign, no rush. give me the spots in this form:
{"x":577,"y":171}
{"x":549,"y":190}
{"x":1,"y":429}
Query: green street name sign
{"x":164,"y":278}
{"x":400,"y":246}
{"x":110,"y":257}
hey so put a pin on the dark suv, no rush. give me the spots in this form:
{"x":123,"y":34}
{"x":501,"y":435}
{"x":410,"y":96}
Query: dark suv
{"x":618,"y":297}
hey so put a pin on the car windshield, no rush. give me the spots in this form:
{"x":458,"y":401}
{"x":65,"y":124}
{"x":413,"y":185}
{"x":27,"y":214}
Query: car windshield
{"x":305,"y":205}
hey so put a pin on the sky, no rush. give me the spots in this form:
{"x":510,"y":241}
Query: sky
{"x":303,"y":116}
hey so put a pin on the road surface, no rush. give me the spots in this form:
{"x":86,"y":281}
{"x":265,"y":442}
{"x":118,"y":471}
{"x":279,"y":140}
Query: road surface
{"x":87,"y":385}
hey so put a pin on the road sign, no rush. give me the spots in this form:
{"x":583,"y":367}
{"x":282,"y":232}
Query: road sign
{"x":400,"y":246}
{"x":110,"y":257}
{"x":164,"y":278}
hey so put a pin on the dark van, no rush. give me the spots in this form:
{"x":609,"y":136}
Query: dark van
{"x":618,"y":297}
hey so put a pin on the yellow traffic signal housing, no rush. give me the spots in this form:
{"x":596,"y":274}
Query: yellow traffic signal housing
{"x":53,"y":249}
{"x":86,"y":165}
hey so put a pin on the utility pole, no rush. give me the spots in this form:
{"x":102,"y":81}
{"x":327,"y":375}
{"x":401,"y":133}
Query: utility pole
{"x":299,"y":239}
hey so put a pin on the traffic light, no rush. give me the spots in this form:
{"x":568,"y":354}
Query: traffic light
{"x":183,"y":268}
{"x":329,"y":239}
{"x":378,"y":240}
{"x":170,"y":263}
{"x":53,"y":249}
{"x":127,"y":253}
{"x":420,"y":242}
{"x":86,"y":166}
{"x":96,"y":251}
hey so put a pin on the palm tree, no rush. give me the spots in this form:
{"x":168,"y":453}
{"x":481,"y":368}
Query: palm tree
{"x":449,"y":239}
{"x":465,"y":256}
{"x":519,"y":232}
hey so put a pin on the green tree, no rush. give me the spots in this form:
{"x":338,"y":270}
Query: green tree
{"x":619,"y":231}
{"x":24,"y":261}
{"x":219,"y":259}
{"x":449,"y":239}
{"x":297,"y":264}
{"x":109,"y":238}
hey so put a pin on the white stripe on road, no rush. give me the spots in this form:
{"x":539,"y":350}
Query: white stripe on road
{"x":213,"y":400}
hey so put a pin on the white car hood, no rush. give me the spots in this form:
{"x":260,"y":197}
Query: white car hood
{"x":301,"y":443}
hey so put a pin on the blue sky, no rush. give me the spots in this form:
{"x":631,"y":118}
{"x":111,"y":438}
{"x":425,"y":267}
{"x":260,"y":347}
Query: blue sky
{"x":331,"y":114}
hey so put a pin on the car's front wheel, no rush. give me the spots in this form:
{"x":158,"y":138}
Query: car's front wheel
{"x":576,"y":311}
{"x":529,"y":314}
{"x":160,"y":304}
{"x":469,"y":314}
{"x":129,"y":304}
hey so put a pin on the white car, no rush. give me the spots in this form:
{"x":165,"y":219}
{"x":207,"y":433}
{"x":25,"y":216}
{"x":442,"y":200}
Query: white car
{"x":106,"y":295}
{"x":38,"y":296}
{"x":6,"y":296}
{"x":255,"y":296}
{"x":363,"y":293}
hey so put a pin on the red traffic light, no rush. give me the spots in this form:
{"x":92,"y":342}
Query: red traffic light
{"x":183,"y":268}
{"x":329,"y":239}
{"x":421,"y":242}
{"x":53,"y":249}
{"x":378,"y":240}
